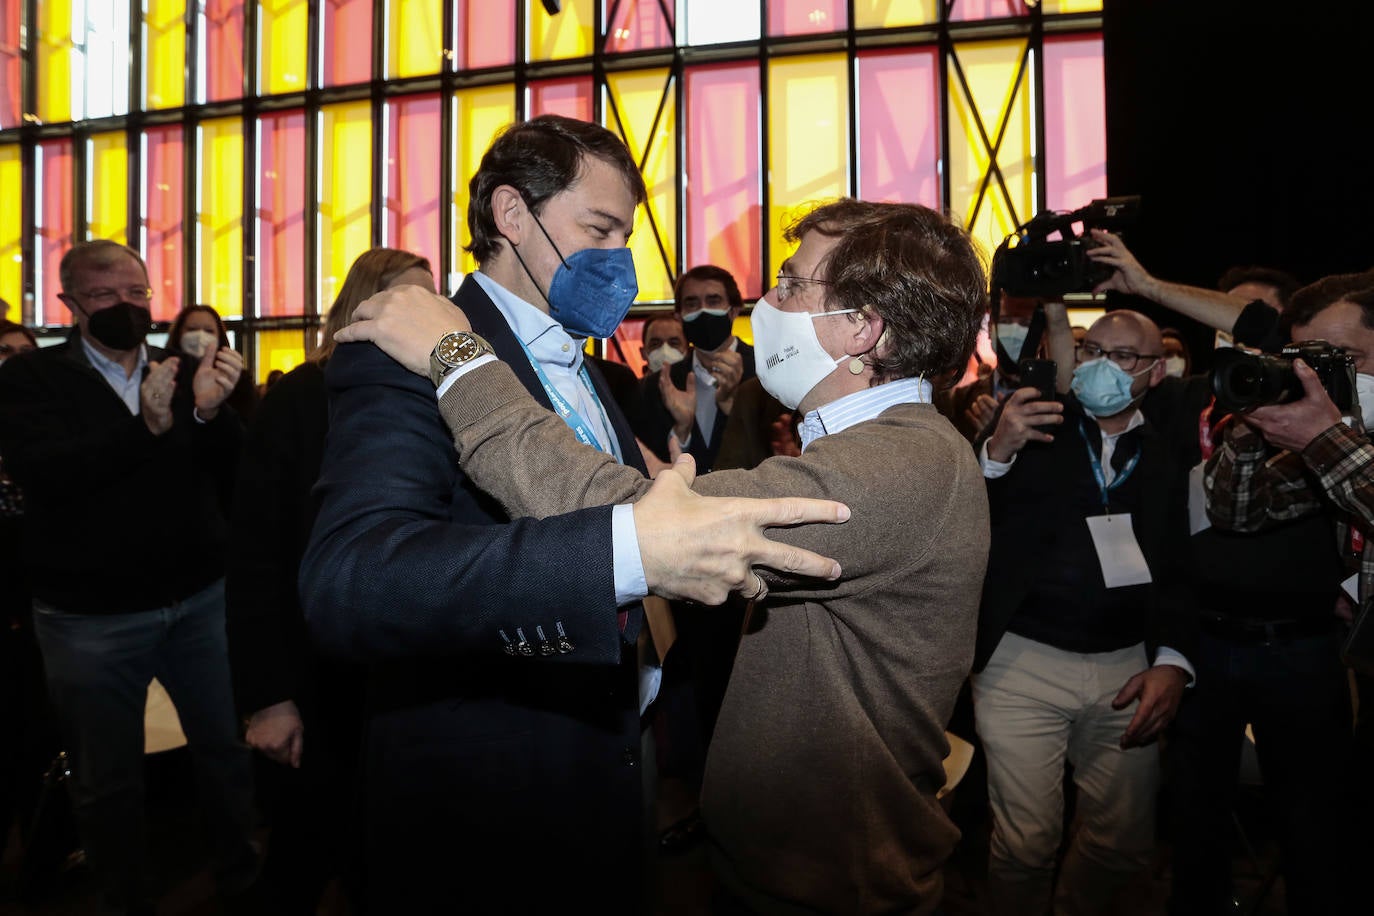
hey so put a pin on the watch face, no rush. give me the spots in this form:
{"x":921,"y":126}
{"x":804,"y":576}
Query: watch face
{"x":455,"y":349}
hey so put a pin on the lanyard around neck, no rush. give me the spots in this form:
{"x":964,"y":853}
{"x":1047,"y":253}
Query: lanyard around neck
{"x":1098,"y":475}
{"x":580,"y":427}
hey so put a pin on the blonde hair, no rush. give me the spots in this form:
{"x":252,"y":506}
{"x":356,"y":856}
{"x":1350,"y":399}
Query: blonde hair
{"x":370,"y":274}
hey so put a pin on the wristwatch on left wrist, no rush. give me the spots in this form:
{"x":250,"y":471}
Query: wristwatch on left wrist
{"x":454,"y":349}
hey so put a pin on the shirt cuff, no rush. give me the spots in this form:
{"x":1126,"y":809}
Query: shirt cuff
{"x":993,"y":469}
{"x":447,"y":382}
{"x":1167,"y":656}
{"x":630,"y":584}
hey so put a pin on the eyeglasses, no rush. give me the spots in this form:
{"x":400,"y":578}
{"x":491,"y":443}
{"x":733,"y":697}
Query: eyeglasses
{"x":1126,"y":359}
{"x":105,"y":294}
{"x":787,"y":285}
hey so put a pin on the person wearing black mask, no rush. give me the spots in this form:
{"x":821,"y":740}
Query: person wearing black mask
{"x":91,"y":429}
{"x":691,"y":400}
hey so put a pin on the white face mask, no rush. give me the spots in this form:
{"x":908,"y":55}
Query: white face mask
{"x":195,"y":343}
{"x":666,"y":355}
{"x":1175,"y":365}
{"x":1364,"y":390}
{"x":1012,"y":337}
{"x":788,"y":357}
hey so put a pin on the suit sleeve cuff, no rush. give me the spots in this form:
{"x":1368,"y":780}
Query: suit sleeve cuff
{"x":630,"y":584}
{"x":1167,"y":656}
{"x":462,"y":370}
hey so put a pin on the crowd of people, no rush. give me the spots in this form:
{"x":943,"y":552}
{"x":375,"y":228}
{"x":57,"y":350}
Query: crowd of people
{"x":423,"y":575}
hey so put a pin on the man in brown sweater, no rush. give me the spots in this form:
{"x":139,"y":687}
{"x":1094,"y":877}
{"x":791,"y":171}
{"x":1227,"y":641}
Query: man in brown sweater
{"x":821,"y":781}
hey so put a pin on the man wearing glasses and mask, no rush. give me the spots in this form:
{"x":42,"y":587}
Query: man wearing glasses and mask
{"x":91,"y":430}
{"x":1083,"y":625}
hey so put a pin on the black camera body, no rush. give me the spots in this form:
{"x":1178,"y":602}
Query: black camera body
{"x":1243,"y":380}
{"x":1047,"y":258}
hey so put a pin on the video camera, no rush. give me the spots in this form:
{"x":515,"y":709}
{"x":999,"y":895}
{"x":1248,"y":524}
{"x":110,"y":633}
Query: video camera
{"x":1048,"y":258}
{"x":1243,"y":380}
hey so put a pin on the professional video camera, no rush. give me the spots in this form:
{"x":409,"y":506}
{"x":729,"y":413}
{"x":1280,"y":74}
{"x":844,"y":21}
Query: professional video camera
{"x":1243,"y":380}
{"x":1048,"y":258}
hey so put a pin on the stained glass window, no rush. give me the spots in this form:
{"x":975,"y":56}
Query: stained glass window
{"x":281,"y":197}
{"x":220,"y":33}
{"x":162,"y":218}
{"x":486,"y":33}
{"x":415,"y":37}
{"x":898,"y":127}
{"x":282,"y":45}
{"x":344,"y":209}
{"x":1075,"y":109}
{"x":345,"y":42}
{"x":11,"y":230}
{"x":11,"y":64}
{"x":164,"y":52}
{"x":52,"y":226}
{"x":477,"y":116}
{"x":219,"y":216}
{"x":107,"y":187}
{"x":414,"y":171}
{"x":802,"y":17}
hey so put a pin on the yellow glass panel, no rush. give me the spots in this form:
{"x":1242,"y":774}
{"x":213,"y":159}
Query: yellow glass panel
{"x":284,"y":350}
{"x":569,"y":34}
{"x":164,"y":23}
{"x":1051,"y":7}
{"x":107,"y":197}
{"x":808,"y":140}
{"x":11,"y":230}
{"x":219,"y":217}
{"x":886,"y":14}
{"x":991,"y":69}
{"x":345,"y":207}
{"x":415,"y":30}
{"x":54,"y":60}
{"x":282,"y":25}
{"x":637,"y":96}
{"x":477,"y":115}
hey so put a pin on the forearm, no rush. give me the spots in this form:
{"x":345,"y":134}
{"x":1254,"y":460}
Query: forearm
{"x":1059,"y":334}
{"x":1248,"y":491}
{"x":1210,"y":307}
{"x":1343,"y":461}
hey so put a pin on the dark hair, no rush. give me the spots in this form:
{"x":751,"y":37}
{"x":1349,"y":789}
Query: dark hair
{"x":704,"y":272}
{"x":179,"y":325}
{"x":540,"y":158}
{"x":371,"y":273}
{"x":917,"y":270}
{"x":9,"y":327}
{"x":1284,"y":283}
{"x":1313,"y":298}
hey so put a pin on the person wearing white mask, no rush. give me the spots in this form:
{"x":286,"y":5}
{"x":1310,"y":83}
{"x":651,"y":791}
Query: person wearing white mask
{"x":821,"y":778}
{"x":665,"y":343}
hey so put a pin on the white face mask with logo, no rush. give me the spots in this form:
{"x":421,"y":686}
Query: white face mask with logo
{"x":666,"y":355}
{"x":196,"y":342}
{"x":788,"y":356}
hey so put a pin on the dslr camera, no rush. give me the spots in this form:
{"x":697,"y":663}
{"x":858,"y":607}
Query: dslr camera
{"x":1243,"y":380}
{"x":1048,"y":256}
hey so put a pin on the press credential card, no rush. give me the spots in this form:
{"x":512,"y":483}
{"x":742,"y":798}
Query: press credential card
{"x":1197,"y":500}
{"x":1117,"y":550}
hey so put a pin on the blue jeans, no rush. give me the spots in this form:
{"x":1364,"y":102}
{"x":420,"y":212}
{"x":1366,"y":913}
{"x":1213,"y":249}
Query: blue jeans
{"x":98,"y":671}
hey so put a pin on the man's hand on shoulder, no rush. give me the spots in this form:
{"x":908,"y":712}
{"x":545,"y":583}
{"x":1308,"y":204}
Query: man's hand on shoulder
{"x":1294,"y":425}
{"x":701,"y":548}
{"x":405,"y":322}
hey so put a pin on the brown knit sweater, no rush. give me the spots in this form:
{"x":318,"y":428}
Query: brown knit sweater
{"x":821,"y":779}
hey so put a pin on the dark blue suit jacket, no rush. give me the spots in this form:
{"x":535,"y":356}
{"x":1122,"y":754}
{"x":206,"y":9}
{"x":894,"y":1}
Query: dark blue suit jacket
{"x":492,"y":781}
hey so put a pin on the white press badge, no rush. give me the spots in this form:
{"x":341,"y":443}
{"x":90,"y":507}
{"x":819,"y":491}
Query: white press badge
{"x":1197,"y":500}
{"x":1118,"y":551}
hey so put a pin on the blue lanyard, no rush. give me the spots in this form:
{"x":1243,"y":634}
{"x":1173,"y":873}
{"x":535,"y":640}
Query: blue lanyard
{"x":1096,"y":463}
{"x":579,"y":426}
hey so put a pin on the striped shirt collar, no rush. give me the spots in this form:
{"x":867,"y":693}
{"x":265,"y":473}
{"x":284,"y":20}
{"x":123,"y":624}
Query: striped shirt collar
{"x":863,"y":405}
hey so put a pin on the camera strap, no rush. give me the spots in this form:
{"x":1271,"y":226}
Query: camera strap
{"x":1098,"y":474}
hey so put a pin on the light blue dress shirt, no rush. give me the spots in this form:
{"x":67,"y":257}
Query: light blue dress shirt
{"x":845,"y":412}
{"x":126,"y":386}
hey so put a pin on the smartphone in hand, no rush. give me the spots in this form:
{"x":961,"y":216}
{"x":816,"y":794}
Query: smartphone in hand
{"x":1041,"y":374}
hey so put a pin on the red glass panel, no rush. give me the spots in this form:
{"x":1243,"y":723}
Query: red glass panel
{"x":162,"y":218}
{"x":899,"y":126}
{"x":639,"y":24}
{"x":223,"y":62}
{"x":1075,"y":122}
{"x":803,"y":17}
{"x":724,"y":155}
{"x":969,"y":10}
{"x":346,"y":41}
{"x":412,"y":176}
{"x":10,"y":63}
{"x":571,"y":98}
{"x":281,"y":214}
{"x":486,"y":33}
{"x":54,"y":228}
{"x":626,"y":346}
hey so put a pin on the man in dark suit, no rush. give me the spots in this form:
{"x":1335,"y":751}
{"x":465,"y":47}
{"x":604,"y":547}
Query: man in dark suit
{"x":1084,"y":628}
{"x":502,"y":768}
{"x":691,"y":400}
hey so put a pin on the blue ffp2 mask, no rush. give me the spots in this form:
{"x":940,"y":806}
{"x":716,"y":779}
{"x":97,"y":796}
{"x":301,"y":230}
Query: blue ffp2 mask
{"x":592,"y":289}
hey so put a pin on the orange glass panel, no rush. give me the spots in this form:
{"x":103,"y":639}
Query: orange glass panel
{"x":164,"y":53}
{"x":345,"y":188}
{"x":1075,"y":122}
{"x":346,"y":42}
{"x":638,"y":24}
{"x":808,"y":141}
{"x":12,"y":230}
{"x":281,"y":214}
{"x":11,"y":64}
{"x":53,"y":227}
{"x":805,"y":17}
{"x":284,"y":350}
{"x":54,"y":53}
{"x":107,"y":187}
{"x":219,"y":216}
{"x":282,"y":43}
{"x":571,"y":98}
{"x":899,"y":126}
{"x":486,"y":33}
{"x":221,"y":72}
{"x":478,"y":114}
{"x":161,"y":218}
{"x":413,"y":170}
{"x":887,"y":14}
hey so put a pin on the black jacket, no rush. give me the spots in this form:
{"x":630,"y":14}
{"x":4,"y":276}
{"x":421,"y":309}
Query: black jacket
{"x":656,"y":423}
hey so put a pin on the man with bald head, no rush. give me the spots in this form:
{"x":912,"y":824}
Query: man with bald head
{"x":1082,"y":632}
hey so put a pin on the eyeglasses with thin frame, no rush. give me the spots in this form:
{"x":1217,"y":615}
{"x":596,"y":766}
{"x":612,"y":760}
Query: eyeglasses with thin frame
{"x":105,"y":294}
{"x":1128,"y":360}
{"x":786,"y":285}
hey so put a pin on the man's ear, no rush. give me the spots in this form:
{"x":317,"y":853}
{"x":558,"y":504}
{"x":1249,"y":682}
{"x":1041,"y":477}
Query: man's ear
{"x":1158,"y":372}
{"x":867,"y":333}
{"x":508,"y":209}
